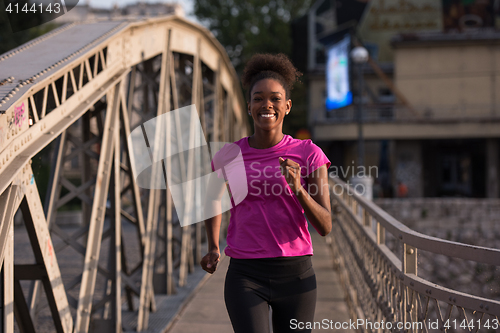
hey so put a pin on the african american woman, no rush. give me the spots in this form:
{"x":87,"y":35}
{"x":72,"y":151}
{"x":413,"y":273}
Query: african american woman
{"x":268,"y":239}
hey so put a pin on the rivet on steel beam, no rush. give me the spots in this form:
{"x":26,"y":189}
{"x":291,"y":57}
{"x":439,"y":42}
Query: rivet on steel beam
{"x":486,"y":307}
{"x":481,"y":306}
{"x":412,"y":284}
{"x":400,"y":236}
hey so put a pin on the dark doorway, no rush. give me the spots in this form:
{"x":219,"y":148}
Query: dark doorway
{"x":454,"y":168}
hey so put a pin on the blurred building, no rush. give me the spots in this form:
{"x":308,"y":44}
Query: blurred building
{"x":85,"y":12}
{"x":431,"y":98}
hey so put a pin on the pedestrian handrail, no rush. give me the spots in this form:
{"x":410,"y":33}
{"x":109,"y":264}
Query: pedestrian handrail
{"x":377,"y":259}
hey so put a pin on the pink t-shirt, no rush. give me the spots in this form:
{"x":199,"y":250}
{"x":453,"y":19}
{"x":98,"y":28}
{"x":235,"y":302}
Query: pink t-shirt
{"x":269,"y":221}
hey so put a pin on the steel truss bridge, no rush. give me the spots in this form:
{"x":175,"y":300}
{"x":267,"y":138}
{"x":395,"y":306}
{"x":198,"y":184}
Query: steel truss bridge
{"x":78,"y":92}
{"x":81,"y":89}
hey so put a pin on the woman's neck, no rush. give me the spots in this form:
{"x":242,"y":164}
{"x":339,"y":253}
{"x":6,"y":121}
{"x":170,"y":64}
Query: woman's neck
{"x":265,"y":139}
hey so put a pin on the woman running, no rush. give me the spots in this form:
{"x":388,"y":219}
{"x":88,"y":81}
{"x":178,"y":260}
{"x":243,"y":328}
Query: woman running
{"x":268,"y":238}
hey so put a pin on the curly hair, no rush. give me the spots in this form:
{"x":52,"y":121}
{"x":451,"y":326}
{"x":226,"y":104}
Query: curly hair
{"x":270,"y":66}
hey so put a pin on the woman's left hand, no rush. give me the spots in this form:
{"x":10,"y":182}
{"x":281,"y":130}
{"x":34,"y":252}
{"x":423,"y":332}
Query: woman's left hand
{"x":291,"y":171}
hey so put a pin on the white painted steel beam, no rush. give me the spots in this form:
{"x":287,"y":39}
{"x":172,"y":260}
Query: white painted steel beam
{"x":111,"y":126}
{"x":53,"y":82}
{"x":43,"y":248}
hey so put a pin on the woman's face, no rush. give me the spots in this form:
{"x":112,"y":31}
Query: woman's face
{"x":268,"y":104}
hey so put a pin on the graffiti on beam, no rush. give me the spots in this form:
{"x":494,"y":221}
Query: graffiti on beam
{"x":18,"y":118}
{"x":19,"y":115}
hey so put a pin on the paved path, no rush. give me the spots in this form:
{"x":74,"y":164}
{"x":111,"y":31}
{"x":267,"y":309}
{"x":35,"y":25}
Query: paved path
{"x":205,"y":311}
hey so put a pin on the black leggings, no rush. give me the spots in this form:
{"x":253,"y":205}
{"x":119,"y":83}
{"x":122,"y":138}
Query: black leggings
{"x":286,"y":284}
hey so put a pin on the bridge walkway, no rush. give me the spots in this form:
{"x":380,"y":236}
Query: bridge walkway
{"x":205,"y":310}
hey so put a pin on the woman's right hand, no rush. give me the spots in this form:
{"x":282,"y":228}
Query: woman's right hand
{"x":209,"y":261}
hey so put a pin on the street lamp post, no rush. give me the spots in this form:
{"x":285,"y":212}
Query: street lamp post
{"x":359,"y":56}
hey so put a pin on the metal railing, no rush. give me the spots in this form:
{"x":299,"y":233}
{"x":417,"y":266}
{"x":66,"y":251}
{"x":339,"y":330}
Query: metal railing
{"x":377,"y":259}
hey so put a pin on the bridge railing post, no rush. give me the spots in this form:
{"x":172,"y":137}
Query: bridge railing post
{"x":409,"y":263}
{"x":380,"y":234}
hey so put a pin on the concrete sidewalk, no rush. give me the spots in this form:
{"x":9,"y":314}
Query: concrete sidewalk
{"x":205,"y":311}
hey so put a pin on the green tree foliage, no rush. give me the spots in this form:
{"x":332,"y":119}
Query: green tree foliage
{"x":257,"y":26}
{"x":21,"y":21}
{"x":251,"y":26}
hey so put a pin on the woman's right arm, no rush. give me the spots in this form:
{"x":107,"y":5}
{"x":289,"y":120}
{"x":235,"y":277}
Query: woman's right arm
{"x":210,"y":260}
{"x":212,"y":225}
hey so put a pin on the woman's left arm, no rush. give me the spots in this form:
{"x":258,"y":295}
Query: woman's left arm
{"x":316,"y":201}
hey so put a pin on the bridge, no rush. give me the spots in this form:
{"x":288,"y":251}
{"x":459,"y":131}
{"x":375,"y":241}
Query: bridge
{"x":124,"y":263}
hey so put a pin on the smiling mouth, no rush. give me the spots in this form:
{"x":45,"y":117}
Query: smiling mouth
{"x":267,"y":115}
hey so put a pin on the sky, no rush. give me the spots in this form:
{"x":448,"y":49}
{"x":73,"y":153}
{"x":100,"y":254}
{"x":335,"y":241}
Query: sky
{"x":186,"y":4}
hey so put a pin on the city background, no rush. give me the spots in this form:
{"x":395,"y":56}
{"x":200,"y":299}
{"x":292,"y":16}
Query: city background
{"x":430,"y":88}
